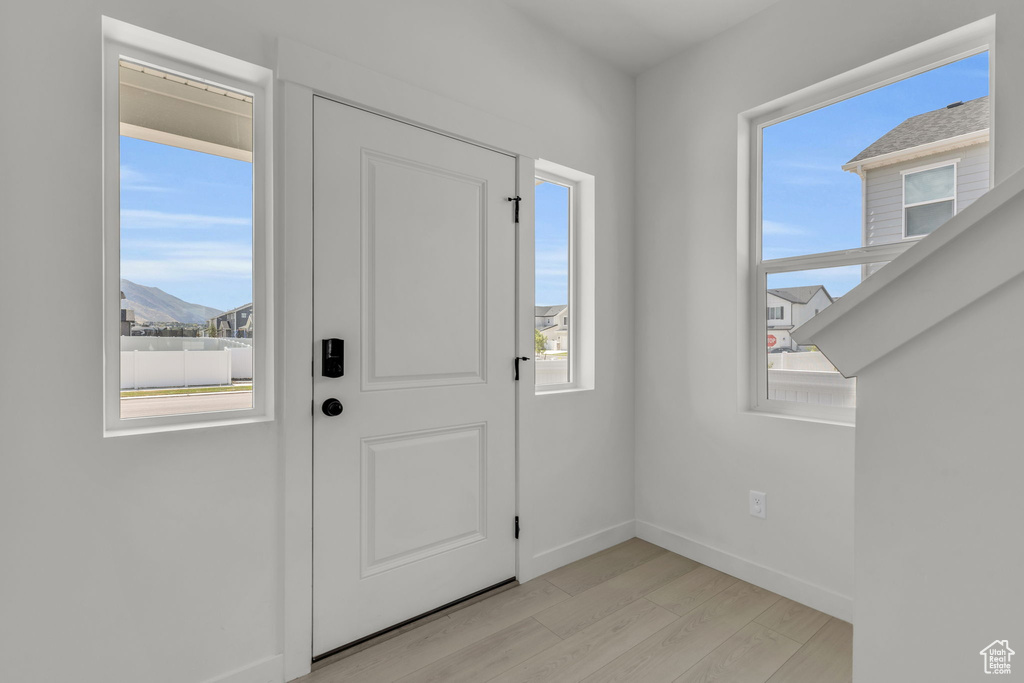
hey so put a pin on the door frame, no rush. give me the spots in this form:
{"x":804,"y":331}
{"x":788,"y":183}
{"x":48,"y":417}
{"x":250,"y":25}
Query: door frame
{"x":304,"y":73}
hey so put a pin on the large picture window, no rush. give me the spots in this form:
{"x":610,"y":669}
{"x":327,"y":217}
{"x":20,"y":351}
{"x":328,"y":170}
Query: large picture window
{"x":840,"y":186}
{"x":186,"y":228}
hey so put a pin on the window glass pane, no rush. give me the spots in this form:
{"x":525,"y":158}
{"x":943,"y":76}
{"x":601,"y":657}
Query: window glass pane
{"x":924,"y":218}
{"x":802,"y":373}
{"x":552,"y":318}
{"x":819,"y":169}
{"x":927,"y":186}
{"x":187,"y":319}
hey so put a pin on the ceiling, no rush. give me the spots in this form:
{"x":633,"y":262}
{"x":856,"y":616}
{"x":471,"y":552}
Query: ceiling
{"x":635,"y":35}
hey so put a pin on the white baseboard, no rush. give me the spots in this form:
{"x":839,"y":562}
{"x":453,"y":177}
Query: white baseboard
{"x":786,"y":585}
{"x":562,"y":555}
{"x":269,"y":670}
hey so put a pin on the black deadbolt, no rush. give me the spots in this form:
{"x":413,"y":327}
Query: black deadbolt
{"x":332,"y":407}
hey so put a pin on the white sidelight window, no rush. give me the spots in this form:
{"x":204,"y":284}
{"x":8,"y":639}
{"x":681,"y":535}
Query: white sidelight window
{"x":929,"y":199}
{"x":841,"y":176}
{"x":564,"y":276}
{"x":188,"y":317}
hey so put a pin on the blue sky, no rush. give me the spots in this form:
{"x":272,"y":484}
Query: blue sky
{"x":552,"y":244}
{"x":809,"y":203}
{"x":186,"y":223}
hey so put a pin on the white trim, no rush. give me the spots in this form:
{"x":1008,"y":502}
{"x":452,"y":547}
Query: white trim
{"x":552,"y":559}
{"x":306,"y":72}
{"x":789,"y":586}
{"x":945,"y":145}
{"x":162,"y":137}
{"x":121,"y":40}
{"x":296,"y":429}
{"x":351,"y":83}
{"x":950,"y":47}
{"x":928,"y":167}
{"x":269,"y":670}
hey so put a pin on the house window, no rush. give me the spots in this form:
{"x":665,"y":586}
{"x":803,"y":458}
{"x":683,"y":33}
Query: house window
{"x":929,"y":199}
{"x":563,"y":283}
{"x":187,"y":235}
{"x":839,"y":180}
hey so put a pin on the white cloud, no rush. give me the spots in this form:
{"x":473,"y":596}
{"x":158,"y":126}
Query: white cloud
{"x":147,"y":219}
{"x":133,"y":179}
{"x":776,"y":229}
{"x":171,"y":249}
{"x":168,"y":261}
{"x":186,"y":270}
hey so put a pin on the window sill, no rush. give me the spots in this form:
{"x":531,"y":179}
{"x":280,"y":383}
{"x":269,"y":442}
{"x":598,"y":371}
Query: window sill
{"x":153,"y":426}
{"x":560,"y":389}
{"x":837,"y":418}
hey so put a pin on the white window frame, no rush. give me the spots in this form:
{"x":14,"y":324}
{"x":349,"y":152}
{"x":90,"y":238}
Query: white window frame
{"x":955,"y":163}
{"x":124,"y":41}
{"x":958,"y":44}
{"x":581,"y":274}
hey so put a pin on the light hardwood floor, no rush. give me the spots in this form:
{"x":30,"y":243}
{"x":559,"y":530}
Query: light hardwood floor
{"x":633,"y":612}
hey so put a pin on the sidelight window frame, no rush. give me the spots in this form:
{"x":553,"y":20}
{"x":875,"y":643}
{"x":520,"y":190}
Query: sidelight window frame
{"x":581,"y":300}
{"x":122,"y":41}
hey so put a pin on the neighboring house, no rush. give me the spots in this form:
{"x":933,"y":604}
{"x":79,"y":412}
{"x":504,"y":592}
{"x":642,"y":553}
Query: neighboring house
{"x":553,"y":323}
{"x":789,"y":308}
{"x":127,"y":318}
{"x":233,"y":323}
{"x":922,"y":172}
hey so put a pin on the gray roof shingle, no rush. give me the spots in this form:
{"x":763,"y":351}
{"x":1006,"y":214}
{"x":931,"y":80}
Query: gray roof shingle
{"x":546,"y":311}
{"x":799,"y":295}
{"x":931,"y":126}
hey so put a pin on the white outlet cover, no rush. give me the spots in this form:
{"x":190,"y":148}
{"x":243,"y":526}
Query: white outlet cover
{"x":759,"y":504}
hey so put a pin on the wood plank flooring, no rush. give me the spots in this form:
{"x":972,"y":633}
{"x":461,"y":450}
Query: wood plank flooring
{"x":633,"y":612}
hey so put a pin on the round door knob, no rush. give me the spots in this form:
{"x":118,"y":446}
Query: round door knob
{"x":332,"y":407}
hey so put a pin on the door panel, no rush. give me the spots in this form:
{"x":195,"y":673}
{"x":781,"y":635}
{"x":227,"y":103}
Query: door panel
{"x":414,"y":267}
{"x":425,"y":290}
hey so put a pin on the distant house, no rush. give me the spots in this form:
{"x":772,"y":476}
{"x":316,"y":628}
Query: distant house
{"x":553,"y":323}
{"x":791,"y":307}
{"x":233,"y":323}
{"x":127,"y":318}
{"x":922,"y":172}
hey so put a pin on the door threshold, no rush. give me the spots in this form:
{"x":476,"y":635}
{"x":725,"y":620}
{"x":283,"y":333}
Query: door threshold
{"x":369,"y":641}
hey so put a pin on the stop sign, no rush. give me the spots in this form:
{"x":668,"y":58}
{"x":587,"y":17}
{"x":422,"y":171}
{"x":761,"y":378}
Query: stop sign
{"x":772,"y":340}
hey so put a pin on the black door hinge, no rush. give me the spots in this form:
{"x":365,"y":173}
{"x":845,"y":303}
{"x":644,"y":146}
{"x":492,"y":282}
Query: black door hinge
{"x":517,"y":360}
{"x":515,"y":199}
{"x":517,"y":527}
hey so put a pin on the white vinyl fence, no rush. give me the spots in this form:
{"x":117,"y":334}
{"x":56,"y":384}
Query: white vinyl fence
{"x":808,"y":377}
{"x":551,"y":371}
{"x":184,"y":368}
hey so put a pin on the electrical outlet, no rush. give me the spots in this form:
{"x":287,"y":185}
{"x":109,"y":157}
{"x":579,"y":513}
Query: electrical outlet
{"x":758,"y":504}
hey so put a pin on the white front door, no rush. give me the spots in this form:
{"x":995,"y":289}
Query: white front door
{"x":414,"y":268}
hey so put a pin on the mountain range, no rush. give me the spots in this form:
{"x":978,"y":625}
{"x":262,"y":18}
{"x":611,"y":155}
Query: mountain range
{"x":152,"y":304}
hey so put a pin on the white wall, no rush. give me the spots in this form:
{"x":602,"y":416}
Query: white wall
{"x":938,"y":485}
{"x":158,"y":559}
{"x":698,"y":453}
